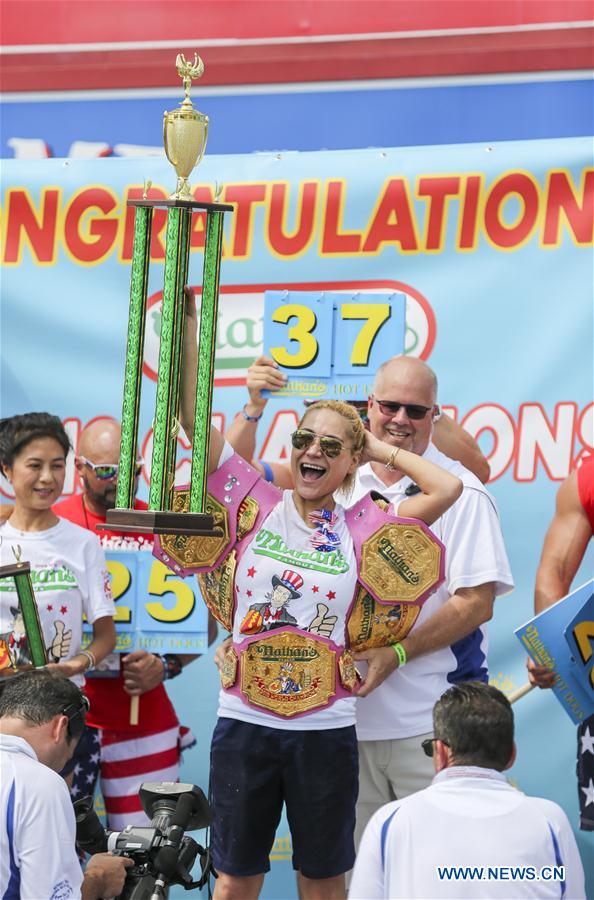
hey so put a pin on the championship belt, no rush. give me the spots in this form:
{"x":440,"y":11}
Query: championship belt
{"x":401,"y":563}
{"x":238,"y":499}
{"x":184,"y":552}
{"x":373,"y":624}
{"x":289,"y":673}
{"x":217,"y":590}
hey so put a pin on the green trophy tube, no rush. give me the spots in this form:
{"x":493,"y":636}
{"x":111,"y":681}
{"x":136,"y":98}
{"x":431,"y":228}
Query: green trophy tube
{"x":206,"y":358}
{"x":134,"y":352}
{"x":162,"y":466}
{"x":30,"y":613}
{"x":178,"y":336}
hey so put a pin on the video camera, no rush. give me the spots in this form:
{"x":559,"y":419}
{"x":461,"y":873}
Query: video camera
{"x":162,"y":853}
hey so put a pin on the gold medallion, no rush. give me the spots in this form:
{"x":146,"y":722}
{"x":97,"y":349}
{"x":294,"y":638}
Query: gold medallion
{"x":373,"y":624}
{"x":288,"y":673}
{"x":217,"y":590}
{"x":229,"y":668}
{"x":347,"y":671}
{"x":246,"y":516}
{"x":196,"y":551}
{"x":401,"y":562}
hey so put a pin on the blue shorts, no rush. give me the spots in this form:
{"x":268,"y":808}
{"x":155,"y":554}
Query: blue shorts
{"x":254,"y":769}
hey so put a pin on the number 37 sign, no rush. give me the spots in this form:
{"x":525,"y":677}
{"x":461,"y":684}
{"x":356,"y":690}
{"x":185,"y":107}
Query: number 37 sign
{"x":331,"y":344}
{"x":155,"y":610}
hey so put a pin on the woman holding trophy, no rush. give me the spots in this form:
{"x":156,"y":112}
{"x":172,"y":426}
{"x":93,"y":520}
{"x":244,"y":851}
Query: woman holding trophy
{"x":284,"y":586}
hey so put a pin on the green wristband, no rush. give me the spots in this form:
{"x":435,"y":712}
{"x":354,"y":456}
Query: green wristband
{"x":400,"y":653}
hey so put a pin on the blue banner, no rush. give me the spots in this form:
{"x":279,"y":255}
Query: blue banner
{"x":491,"y":245}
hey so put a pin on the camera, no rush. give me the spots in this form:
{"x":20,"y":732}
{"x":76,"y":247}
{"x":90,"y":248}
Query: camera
{"x":162,"y":853}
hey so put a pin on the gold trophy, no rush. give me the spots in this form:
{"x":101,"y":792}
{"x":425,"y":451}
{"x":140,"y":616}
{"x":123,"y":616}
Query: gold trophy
{"x":184,"y":133}
{"x":185,"y":130}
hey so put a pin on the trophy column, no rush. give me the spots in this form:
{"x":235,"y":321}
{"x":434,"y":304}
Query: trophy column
{"x":159,"y":518}
{"x":20,"y":572}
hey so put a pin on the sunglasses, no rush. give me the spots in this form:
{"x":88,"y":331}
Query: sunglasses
{"x":427,"y":745}
{"x":105,"y":472}
{"x":413,"y":410}
{"x":330,"y":447}
{"x":76,"y":715}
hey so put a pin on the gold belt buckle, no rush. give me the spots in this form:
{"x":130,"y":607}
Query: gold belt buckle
{"x":288,"y":673}
{"x":401,"y":562}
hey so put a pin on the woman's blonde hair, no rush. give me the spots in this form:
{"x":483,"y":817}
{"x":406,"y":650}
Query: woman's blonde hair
{"x":355,"y":431}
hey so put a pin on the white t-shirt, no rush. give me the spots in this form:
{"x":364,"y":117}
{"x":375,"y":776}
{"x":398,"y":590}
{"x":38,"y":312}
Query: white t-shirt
{"x":37,"y":828}
{"x":402,"y":706}
{"x":325,"y":585}
{"x":69,"y":578}
{"x":468,"y":818}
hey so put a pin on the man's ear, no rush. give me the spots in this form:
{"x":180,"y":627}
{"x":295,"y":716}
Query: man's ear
{"x":79,"y":464}
{"x":59,"y":728}
{"x":441,"y":755}
{"x":512,"y":758}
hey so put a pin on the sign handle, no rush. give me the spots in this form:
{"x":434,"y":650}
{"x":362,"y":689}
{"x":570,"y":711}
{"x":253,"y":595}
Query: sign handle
{"x":521,"y":692}
{"x":134,"y":708}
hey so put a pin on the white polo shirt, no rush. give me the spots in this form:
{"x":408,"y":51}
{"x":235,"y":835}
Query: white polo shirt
{"x":37,"y":828}
{"x":402,"y":706}
{"x":489,"y":839}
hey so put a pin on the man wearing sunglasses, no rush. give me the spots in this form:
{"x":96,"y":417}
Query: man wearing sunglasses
{"x":142,"y":673}
{"x":470,"y":833}
{"x":42,"y":717}
{"x":447,"y":641}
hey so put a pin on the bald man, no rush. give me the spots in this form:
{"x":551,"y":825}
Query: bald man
{"x":130,"y":754}
{"x":446,"y":643}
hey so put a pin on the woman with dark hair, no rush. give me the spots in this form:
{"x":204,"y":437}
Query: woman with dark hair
{"x":68,"y":569}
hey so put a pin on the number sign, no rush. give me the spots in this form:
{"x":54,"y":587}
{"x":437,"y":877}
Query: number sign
{"x":543,"y":638}
{"x":331,"y":344}
{"x":155,"y":609}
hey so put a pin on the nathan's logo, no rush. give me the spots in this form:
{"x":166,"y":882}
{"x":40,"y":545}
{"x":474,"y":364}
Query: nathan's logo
{"x":270,"y":653}
{"x":397,"y":561}
{"x":52,"y":578}
{"x":240,"y":325}
{"x":239,"y":333}
{"x":268,"y":543}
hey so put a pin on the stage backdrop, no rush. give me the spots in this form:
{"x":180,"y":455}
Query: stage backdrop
{"x":490,"y":244}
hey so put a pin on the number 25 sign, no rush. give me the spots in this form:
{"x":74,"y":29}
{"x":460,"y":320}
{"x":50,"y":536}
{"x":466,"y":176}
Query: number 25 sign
{"x":331,"y":344}
{"x":155,"y":610}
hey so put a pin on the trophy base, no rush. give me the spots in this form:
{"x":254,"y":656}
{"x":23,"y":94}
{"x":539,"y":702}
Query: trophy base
{"x":151,"y":521}
{"x":12,"y":569}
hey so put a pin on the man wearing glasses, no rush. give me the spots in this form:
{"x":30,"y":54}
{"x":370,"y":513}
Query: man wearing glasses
{"x":470,"y":833}
{"x":126,"y":750}
{"x":446,"y":644}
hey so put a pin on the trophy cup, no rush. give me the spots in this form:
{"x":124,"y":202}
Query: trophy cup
{"x":20,"y":572}
{"x":185,"y":132}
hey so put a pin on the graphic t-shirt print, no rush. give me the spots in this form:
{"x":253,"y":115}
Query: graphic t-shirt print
{"x":284,"y":580}
{"x":51,"y":584}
